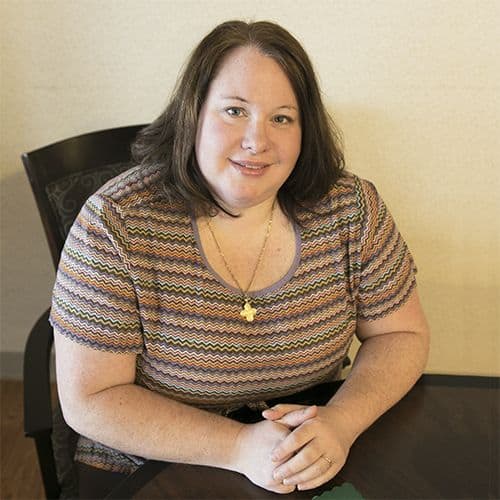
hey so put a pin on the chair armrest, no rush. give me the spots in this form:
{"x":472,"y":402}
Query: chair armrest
{"x":37,"y":391}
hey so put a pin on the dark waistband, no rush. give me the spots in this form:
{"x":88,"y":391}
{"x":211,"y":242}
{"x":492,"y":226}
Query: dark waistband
{"x":317,"y":395}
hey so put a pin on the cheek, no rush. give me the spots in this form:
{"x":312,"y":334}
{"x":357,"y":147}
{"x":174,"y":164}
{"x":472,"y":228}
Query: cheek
{"x":291,"y":148}
{"x":216,"y":139}
{"x":219,"y":131}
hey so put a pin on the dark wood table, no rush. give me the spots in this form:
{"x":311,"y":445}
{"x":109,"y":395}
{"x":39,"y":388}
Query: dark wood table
{"x":439,"y":441}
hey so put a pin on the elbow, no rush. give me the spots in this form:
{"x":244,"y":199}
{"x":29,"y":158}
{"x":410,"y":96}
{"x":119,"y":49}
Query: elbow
{"x":82,"y":412}
{"x":422,"y":348}
{"x":426,"y":347}
{"x":87,"y":414}
{"x":75,"y":414}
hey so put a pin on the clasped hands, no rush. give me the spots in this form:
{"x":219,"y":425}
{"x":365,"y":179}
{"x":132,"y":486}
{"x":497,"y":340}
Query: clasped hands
{"x":294,"y":447}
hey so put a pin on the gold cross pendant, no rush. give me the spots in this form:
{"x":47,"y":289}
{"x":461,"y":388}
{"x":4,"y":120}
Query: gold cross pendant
{"x":248,"y":312}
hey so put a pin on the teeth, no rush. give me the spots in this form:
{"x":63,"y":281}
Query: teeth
{"x":246,"y":165}
{"x":253,"y":167}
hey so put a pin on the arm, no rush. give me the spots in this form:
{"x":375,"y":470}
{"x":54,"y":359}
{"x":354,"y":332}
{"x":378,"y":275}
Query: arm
{"x":392,"y":356}
{"x":100,"y":400}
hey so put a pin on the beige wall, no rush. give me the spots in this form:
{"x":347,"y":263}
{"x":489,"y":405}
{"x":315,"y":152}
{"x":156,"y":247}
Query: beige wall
{"x":414,"y":84}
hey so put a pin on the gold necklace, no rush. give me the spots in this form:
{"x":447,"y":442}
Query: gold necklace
{"x":248,"y":312}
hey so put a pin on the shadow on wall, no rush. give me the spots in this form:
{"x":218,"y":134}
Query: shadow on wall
{"x":26,"y":267}
{"x":464,"y":323}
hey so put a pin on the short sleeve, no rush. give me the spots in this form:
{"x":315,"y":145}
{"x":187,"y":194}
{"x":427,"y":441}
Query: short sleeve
{"x":94,"y":300}
{"x":386,"y":267}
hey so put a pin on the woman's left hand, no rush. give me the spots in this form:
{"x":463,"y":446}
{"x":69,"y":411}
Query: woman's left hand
{"x":319,"y":444}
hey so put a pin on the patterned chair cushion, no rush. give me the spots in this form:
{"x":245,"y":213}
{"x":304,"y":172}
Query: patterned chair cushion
{"x":68,"y":194}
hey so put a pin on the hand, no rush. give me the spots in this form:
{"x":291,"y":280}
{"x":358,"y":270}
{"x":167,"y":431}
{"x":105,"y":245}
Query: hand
{"x":254,"y":446}
{"x":317,"y":448}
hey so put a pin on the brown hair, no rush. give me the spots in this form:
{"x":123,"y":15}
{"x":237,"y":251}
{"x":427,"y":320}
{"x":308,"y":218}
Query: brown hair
{"x":170,"y":140}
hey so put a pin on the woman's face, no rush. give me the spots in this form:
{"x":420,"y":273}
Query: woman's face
{"x":249,"y":133}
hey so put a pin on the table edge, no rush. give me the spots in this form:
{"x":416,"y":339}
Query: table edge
{"x":474,"y":381}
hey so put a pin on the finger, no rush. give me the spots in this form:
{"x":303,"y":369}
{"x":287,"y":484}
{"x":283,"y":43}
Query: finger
{"x":308,"y":459}
{"x":279,"y":487}
{"x":319,"y":480}
{"x":298,"y":417}
{"x":319,"y":470}
{"x":293,"y":442}
{"x":280,"y":410}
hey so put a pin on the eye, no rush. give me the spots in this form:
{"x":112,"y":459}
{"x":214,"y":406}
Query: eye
{"x":282,"y":119}
{"x":235,"y":111}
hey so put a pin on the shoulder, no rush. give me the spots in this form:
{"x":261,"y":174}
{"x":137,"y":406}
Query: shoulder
{"x":137,"y":189}
{"x":346,"y":202}
{"x":134,"y":186}
{"x":355,"y":199}
{"x":351,"y":187}
{"x":133,"y":201}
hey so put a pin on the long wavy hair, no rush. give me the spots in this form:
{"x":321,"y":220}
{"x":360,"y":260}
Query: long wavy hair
{"x":170,"y":140}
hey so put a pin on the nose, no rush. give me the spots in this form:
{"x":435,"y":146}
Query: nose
{"x":255,"y":138}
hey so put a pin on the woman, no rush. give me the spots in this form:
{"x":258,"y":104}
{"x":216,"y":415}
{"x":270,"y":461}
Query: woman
{"x":233,"y":266}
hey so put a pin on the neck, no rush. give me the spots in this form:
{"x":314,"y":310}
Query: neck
{"x":256,"y":215}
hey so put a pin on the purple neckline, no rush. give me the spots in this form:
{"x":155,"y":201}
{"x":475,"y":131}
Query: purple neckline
{"x":256,"y":293}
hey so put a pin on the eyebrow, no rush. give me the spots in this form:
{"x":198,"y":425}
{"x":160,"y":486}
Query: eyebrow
{"x":238,"y":98}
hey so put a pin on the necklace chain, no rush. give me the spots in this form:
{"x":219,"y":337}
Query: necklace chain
{"x":248,"y":312}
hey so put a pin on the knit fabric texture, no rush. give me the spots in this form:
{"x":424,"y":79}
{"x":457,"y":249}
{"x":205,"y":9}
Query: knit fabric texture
{"x":133,"y":278}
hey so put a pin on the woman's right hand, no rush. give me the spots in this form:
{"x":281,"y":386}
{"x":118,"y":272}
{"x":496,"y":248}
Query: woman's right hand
{"x":254,"y":446}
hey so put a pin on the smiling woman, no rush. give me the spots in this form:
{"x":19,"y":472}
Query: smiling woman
{"x":171,"y":139}
{"x":232,"y":267}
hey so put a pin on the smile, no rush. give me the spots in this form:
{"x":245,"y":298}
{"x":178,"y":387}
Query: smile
{"x":249,"y":165}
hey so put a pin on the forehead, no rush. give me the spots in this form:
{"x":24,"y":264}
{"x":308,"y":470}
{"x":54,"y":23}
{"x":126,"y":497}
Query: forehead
{"x":248,"y":71}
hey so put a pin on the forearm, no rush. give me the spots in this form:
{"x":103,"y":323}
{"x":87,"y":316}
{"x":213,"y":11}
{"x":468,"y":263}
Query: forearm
{"x":385,"y":369}
{"x":392,"y":356}
{"x":135,"y":420}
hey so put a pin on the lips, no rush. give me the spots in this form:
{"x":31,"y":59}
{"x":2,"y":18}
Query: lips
{"x":250,"y":165}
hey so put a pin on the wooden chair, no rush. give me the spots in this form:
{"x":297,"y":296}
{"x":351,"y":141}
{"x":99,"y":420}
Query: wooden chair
{"x":62,"y":176}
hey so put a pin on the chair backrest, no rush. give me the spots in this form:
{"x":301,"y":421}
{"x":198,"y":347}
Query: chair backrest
{"x":64,"y":174}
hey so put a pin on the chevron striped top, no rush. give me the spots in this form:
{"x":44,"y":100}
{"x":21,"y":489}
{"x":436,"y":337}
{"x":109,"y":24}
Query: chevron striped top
{"x":133,"y":278}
